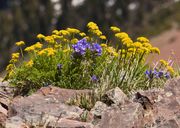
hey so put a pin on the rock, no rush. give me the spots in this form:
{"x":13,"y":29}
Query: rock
{"x":3,"y":118}
{"x":130,"y":116}
{"x":49,"y":101}
{"x":66,"y":123}
{"x":6,"y":90}
{"x":115,"y":96}
{"x":3,"y":110}
{"x":47,"y":108}
{"x":15,"y":122}
{"x":61,"y":94}
{"x":98,"y":109}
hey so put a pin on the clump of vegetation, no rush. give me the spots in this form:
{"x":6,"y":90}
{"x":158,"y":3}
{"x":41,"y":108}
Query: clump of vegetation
{"x":73,"y":59}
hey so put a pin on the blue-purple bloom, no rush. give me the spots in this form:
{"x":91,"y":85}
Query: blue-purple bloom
{"x":59,"y":67}
{"x":82,"y":46}
{"x":158,"y":74}
{"x":96,"y":48}
{"x":94,"y":78}
{"x":149,"y":74}
{"x":167,"y":75}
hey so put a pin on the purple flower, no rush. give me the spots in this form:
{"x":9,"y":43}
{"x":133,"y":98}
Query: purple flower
{"x":96,"y":48}
{"x":94,"y":78}
{"x":167,"y":75}
{"x":59,"y":67}
{"x":82,"y":46}
{"x":159,"y":74}
{"x":149,"y":74}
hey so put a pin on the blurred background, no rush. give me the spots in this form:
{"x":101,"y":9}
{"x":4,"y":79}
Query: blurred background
{"x":158,"y":20}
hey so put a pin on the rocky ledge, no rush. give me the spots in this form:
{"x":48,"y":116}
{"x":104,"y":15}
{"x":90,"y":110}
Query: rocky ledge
{"x":155,"y":108}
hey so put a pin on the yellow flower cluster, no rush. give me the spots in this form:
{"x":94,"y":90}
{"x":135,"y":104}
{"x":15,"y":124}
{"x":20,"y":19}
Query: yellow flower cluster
{"x":64,"y":33}
{"x":94,"y":29}
{"x":142,"y":44}
{"x":112,"y":51}
{"x":34,"y":47}
{"x":167,"y":66}
{"x":9,"y":67}
{"x":171,"y":70}
{"x":30,"y":63}
{"x":143,"y":40}
{"x":155,"y":50}
{"x":163,"y":62}
{"x":50,"y":39}
{"x":73,"y":30}
{"x":48,"y":51}
{"x":14,"y":57}
{"x":20,"y":43}
{"x":75,"y":40}
{"x":82,"y":34}
{"x":40,"y":36}
{"x":115,"y":29}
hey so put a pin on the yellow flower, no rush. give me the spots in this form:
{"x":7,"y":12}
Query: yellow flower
{"x":30,"y":63}
{"x":143,"y":40}
{"x":64,"y":32}
{"x":112,"y":51}
{"x":115,"y":54}
{"x":82,"y":34}
{"x":147,"y":45}
{"x":73,"y":30}
{"x":122,"y":51}
{"x":75,"y":40}
{"x":9,"y":67}
{"x":38,"y":45}
{"x":121,"y":35}
{"x":171,"y":70}
{"x":48,"y":51}
{"x":137,"y":44}
{"x":104,"y":45}
{"x":155,"y":50}
{"x":127,"y":41}
{"x":57,"y":46}
{"x":115,"y":29}
{"x":103,"y":37}
{"x":92,"y":25}
{"x":131,"y":50}
{"x":49,"y":39}
{"x":55,"y":32}
{"x":42,"y":52}
{"x":15,"y":55}
{"x":87,"y":38}
{"x":56,"y":37}
{"x":10,"y":73}
{"x":40,"y":36}
{"x":144,"y":49}
{"x":29,"y":49}
{"x":165,"y":63}
{"x":20,"y":43}
{"x":96,"y":32}
{"x":66,"y":50}
{"x":51,"y":51}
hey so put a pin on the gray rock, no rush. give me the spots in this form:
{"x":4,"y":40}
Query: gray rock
{"x":36,"y":108}
{"x":115,"y":96}
{"x":66,"y":123}
{"x":98,"y":109}
{"x":15,"y":122}
{"x":131,"y":116}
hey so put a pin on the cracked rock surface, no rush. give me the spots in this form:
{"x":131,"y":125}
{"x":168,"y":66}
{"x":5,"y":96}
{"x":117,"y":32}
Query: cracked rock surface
{"x":154,"y":108}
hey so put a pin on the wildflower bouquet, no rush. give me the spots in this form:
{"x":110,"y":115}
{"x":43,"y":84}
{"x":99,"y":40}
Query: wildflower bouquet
{"x":73,"y":59}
